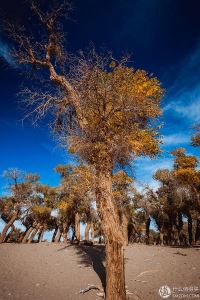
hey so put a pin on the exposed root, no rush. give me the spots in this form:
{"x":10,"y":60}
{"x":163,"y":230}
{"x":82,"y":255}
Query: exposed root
{"x":146,"y":272}
{"x":101,"y":291}
{"x":93,"y":287}
{"x":179,"y":253}
{"x":143,"y":281}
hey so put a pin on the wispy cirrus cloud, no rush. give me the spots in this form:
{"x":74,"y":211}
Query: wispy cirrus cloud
{"x":187,"y":104}
{"x":184,"y":95}
{"x":176,"y":139}
{"x":145,"y":168}
{"x":5,"y":53}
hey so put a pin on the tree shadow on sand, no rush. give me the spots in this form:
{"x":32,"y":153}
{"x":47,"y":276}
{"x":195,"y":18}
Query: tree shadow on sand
{"x":94,"y":257}
{"x":185,"y":246}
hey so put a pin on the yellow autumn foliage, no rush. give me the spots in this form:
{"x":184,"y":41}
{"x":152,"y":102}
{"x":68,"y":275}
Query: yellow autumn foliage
{"x":63,"y":205}
{"x":41,"y":210}
{"x":188,"y":175}
{"x":185,"y":168}
{"x":118,"y":104}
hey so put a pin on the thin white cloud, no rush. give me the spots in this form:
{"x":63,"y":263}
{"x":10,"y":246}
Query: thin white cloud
{"x":191,"y":111}
{"x":184,"y":94}
{"x":5,"y":53}
{"x":187,"y":105}
{"x":145,"y":168}
{"x":149,"y":165}
{"x":151,"y":183}
{"x":175,"y":139}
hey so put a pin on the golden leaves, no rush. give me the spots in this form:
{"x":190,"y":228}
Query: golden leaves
{"x":76,"y":188}
{"x":41,"y":212}
{"x":185,"y":168}
{"x":118,"y":103}
{"x":63,"y":205}
{"x":144,"y":142}
{"x":122,"y":187}
{"x":188,"y":175}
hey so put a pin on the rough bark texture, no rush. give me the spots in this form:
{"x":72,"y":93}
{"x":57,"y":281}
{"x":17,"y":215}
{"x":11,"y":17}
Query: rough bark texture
{"x":23,"y":235}
{"x":8,"y":225}
{"x":125,"y":228}
{"x":27,"y":235}
{"x":58,"y":236}
{"x":73,"y":234}
{"x":33,"y":234}
{"x":41,"y":234}
{"x":180,"y":227}
{"x":148,"y":222}
{"x":161,"y":237}
{"x":65,"y":230}
{"x":87,"y":230}
{"x":10,"y":234}
{"x":77,"y":226}
{"x":54,"y":234}
{"x":92,"y":229}
{"x":197,"y":232}
{"x":190,"y":234}
{"x":115,"y":273}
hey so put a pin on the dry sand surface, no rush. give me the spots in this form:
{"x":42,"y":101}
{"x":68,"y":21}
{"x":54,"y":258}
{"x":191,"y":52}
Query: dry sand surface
{"x":55,"y":271}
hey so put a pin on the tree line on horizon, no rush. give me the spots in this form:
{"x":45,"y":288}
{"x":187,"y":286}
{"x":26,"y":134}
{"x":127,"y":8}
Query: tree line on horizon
{"x":173,"y":208}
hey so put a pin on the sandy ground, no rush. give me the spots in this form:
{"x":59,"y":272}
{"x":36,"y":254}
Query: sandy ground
{"x":55,"y":271}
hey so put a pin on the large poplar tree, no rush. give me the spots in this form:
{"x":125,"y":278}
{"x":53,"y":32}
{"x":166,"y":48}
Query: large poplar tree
{"x":104,"y":111}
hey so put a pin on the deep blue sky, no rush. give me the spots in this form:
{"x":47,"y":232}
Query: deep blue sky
{"x":163,"y":37}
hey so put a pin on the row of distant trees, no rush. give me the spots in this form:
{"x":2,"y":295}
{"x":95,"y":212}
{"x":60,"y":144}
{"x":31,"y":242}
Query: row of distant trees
{"x":174,"y":208}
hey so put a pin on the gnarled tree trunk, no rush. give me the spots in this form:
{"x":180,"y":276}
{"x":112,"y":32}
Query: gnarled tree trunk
{"x":33,"y":233}
{"x":147,"y":225}
{"x":92,"y":229}
{"x":25,"y":238}
{"x":54,"y":234}
{"x":10,"y":234}
{"x":124,"y":221}
{"x":180,"y":227}
{"x":161,"y":236}
{"x":190,"y":233}
{"x":77,"y":226}
{"x":58,"y":236}
{"x":197,"y":232}
{"x":8,"y":225}
{"x":41,"y":234}
{"x":87,"y":231}
{"x":115,"y":273}
{"x":65,"y":230}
